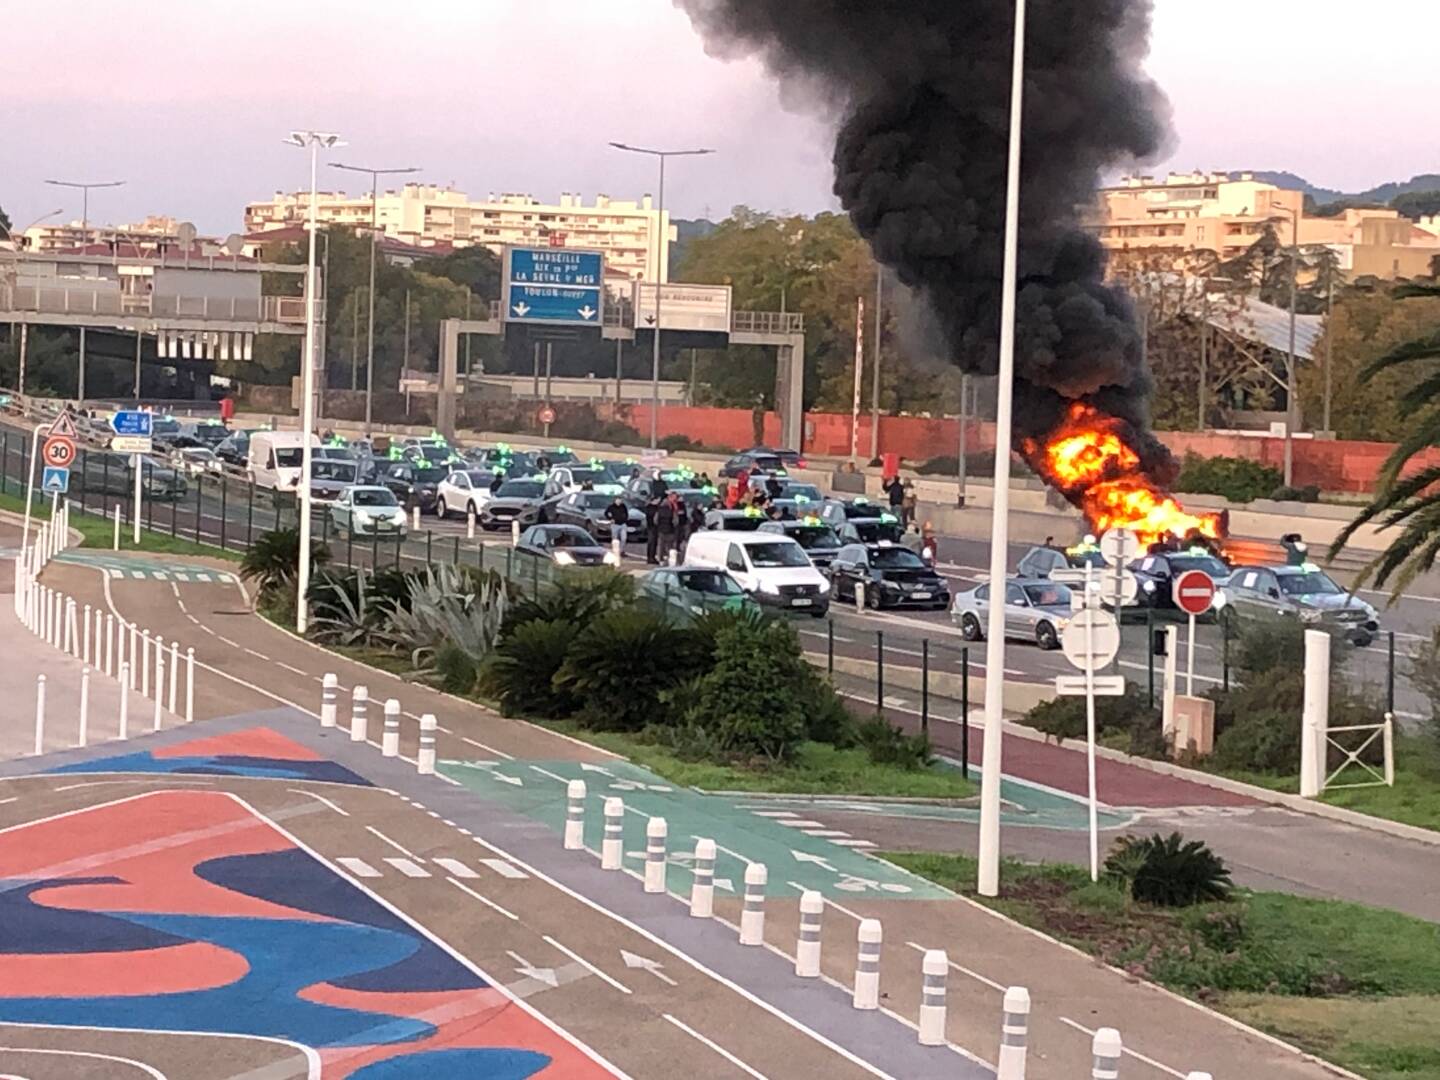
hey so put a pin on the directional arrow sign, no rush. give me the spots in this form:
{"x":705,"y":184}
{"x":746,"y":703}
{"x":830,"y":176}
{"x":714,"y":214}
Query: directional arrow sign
{"x":523,"y":967}
{"x":514,"y":781}
{"x":585,"y":766}
{"x":645,"y":964}
{"x":587,"y":312}
{"x":818,"y":860}
{"x":522,"y":309}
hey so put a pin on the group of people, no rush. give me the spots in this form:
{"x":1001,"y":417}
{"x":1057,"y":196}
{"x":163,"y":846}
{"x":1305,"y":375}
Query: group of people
{"x":902,"y":498}
{"x":669,"y":522}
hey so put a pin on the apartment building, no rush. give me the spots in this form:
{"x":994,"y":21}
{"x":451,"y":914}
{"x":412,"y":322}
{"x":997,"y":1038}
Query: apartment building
{"x":427,"y":216}
{"x":152,"y":233}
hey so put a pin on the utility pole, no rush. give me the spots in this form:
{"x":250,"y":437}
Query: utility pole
{"x":960,"y":456}
{"x":405,"y":361}
{"x":85,"y":200}
{"x":1291,"y":393}
{"x":1329,"y":345}
{"x":355,"y":339}
{"x":875,"y":369}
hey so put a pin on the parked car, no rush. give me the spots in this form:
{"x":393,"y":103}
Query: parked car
{"x":835,"y":512}
{"x":413,"y":484}
{"x":209,"y":433}
{"x":818,"y":539}
{"x":463,"y":491}
{"x":587,"y":510}
{"x":516,"y":500}
{"x":164,"y":432}
{"x":330,"y":476}
{"x":1157,"y":571}
{"x":872,"y":530}
{"x":893,"y":576}
{"x":565,"y":545}
{"x":196,"y":461}
{"x":791,"y":459}
{"x":763,"y":461}
{"x":688,"y":591}
{"x":564,"y":479}
{"x":782,"y":487}
{"x":1304,"y":592}
{"x":774,"y":570}
{"x":747,"y":520}
{"x":1040,"y":562}
{"x":1036,"y":609}
{"x":234,"y":449}
{"x":367,"y":510}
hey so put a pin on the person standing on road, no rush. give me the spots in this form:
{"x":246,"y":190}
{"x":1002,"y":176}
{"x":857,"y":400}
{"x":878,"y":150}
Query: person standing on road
{"x":667,"y":525}
{"x":496,"y":481}
{"x":697,"y":519}
{"x":909,"y":503}
{"x":618,"y":514}
{"x":896,"y":491}
{"x":652,"y":527}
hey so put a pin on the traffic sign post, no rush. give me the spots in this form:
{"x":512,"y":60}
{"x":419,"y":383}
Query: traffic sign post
{"x":553,"y":286}
{"x":58,"y":452}
{"x":64,"y":428}
{"x":55,"y":481}
{"x":133,"y":423}
{"x":1194,"y":592}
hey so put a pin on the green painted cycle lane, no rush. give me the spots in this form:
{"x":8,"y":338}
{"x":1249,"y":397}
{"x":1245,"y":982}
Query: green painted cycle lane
{"x":792,"y":857}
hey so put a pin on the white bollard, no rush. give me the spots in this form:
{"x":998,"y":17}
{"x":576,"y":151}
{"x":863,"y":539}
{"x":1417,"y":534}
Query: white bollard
{"x":807,"y":948}
{"x":134,"y":640}
{"x":470,"y":523}
{"x":390,"y":740}
{"x":84,"y":732}
{"x":656,"y":831}
{"x":124,"y":700}
{"x":1315,"y":714}
{"x":752,"y":915}
{"x":70,"y":638}
{"x":616,"y":550}
{"x":99,"y":664}
{"x":612,"y":852}
{"x":860,"y":598}
{"x":144,"y":662}
{"x":415,"y":518}
{"x":425,"y":756}
{"x":115,"y":543}
{"x":575,"y":815}
{"x":702,"y":888}
{"x":189,"y":685}
{"x":1014,"y":1031}
{"x":934,"y":969}
{"x":85,"y":636}
{"x":174,"y":672}
{"x":359,"y":699}
{"x":1105,"y":1051}
{"x":867,"y":966}
{"x":514,"y":533}
{"x":1167,"y":686}
{"x":39,"y":715}
{"x":328,"y":687}
{"x":673,"y":558}
{"x":159,"y":682}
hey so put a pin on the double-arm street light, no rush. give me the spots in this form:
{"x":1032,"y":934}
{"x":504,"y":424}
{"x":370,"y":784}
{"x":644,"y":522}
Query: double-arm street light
{"x":660,"y":275}
{"x":375,"y":175}
{"x":315,"y":140}
{"x":85,"y":200}
{"x":1291,"y":412}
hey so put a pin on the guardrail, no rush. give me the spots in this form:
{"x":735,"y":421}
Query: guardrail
{"x":89,"y":300}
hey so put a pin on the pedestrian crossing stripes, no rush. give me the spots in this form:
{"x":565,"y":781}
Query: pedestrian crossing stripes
{"x":817,"y":829}
{"x":209,"y":576}
{"x":397,"y":866}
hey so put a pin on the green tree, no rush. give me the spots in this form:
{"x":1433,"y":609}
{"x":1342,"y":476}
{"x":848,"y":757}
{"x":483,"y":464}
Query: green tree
{"x":1416,"y":204}
{"x":1407,"y":498}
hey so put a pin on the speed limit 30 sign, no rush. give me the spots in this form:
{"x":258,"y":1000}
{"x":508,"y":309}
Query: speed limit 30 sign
{"x":58,"y":452}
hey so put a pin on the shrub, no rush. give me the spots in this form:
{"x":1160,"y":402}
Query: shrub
{"x":521,"y":671}
{"x":1236,"y":479}
{"x":575,"y":598}
{"x":827,"y":720}
{"x":585,"y":425}
{"x":746,"y":698}
{"x":888,"y":745}
{"x":1309,"y":493}
{"x":444,"y":609}
{"x":457,"y":669}
{"x":678,"y":443}
{"x":273,"y":561}
{"x":618,"y":667}
{"x":1125,"y":721}
{"x":344,"y":609}
{"x":1168,"y":871}
{"x":1423,"y":670}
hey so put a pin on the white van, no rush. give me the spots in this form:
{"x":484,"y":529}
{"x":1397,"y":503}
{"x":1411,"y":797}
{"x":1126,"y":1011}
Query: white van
{"x":274,"y":458}
{"x":773,"y":569}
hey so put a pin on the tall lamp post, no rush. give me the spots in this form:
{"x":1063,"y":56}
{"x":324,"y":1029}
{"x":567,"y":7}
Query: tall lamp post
{"x":375,"y":175}
{"x":85,"y":200}
{"x":11,"y":235}
{"x":1291,"y":413}
{"x":315,"y":140}
{"x":988,"y":877}
{"x":660,"y":274}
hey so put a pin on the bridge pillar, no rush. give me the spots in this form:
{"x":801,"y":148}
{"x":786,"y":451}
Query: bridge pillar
{"x":790,"y":390}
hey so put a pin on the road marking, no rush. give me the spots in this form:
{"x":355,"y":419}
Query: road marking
{"x":11,"y":799}
{"x":257,"y":655}
{"x":546,"y":772}
{"x":830,"y":903}
{"x":775,"y":813}
{"x":456,"y":867}
{"x":148,"y":1070}
{"x":287,"y":667}
{"x":1123,"y":1049}
{"x":488,"y":749}
{"x":800,"y":823}
{"x":973,"y":974}
{"x":358,"y":867}
{"x":320,"y":798}
{"x":826,"y":834}
{"x":484,"y":900}
{"x":851,"y":842}
{"x":505,"y":869}
{"x":587,"y":964}
{"x":408,"y":868}
{"x":403,"y":850}
{"x":713,"y":1045}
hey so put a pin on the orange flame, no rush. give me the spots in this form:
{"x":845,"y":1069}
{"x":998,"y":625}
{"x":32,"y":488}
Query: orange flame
{"x":1087,"y":459}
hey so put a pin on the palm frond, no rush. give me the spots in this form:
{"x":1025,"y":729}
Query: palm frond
{"x":1425,"y":435}
{"x":1424,"y":348}
{"x":1422,"y":395}
{"x":1412,"y":289}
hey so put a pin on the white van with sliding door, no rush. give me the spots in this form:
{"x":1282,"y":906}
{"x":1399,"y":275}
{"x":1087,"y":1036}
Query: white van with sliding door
{"x":274,"y":458}
{"x":772,"y":568}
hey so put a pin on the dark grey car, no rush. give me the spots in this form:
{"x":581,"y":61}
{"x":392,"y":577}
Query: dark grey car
{"x":564,"y":545}
{"x":1303,"y":592}
{"x":587,"y":510}
{"x":516,"y":500}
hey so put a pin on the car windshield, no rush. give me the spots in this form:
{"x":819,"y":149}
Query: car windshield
{"x":859,"y":509}
{"x":895,"y":559}
{"x":479,"y":478}
{"x":210,"y":432}
{"x":593,"y":476}
{"x":164,"y":426}
{"x":741,"y":522}
{"x":335,"y":453}
{"x":375,"y":497}
{"x":716,"y":582}
{"x":430,"y":476}
{"x":520,"y":489}
{"x":815,"y":538}
{"x":557,"y":457}
{"x":1310,"y":583}
{"x":872,"y":531}
{"x":200,"y":454}
{"x":341,"y":471}
{"x":769,"y":463}
{"x":1179,"y":564}
{"x":1047,"y":595}
{"x":595,"y":501}
{"x":769,"y":555}
{"x":288,"y":458}
{"x":570,"y":538}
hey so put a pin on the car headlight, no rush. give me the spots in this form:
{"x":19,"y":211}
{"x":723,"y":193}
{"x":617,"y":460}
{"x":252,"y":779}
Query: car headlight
{"x":1148,"y":586}
{"x":824,"y":587}
{"x":398,"y":517}
{"x":770,"y":587}
{"x":1310,"y":615}
{"x":611,"y":559}
{"x":564,"y":558}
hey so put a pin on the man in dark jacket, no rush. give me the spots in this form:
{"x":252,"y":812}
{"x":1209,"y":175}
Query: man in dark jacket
{"x":618,"y":514}
{"x":667,"y":524}
{"x":896,"y":491}
{"x":652,"y":530}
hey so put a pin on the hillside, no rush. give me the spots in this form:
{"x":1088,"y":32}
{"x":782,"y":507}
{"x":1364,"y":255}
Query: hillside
{"x":1381,"y":194}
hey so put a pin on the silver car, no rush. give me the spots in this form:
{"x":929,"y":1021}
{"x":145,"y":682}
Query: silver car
{"x":1305,"y":592}
{"x":1036,"y":609}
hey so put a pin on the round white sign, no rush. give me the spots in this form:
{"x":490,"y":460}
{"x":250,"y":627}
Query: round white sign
{"x":1115,"y":579}
{"x":1119,"y":546}
{"x":1091,"y":639}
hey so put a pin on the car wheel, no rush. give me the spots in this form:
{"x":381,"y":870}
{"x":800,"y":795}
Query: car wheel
{"x":441,"y":510}
{"x":970,"y":627}
{"x":1362,"y":641}
{"x":872,"y":599}
{"x":1046,"y":637}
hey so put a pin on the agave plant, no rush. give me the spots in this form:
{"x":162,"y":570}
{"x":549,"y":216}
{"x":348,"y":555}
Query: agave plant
{"x":1168,"y":871}
{"x":444,"y":608}
{"x":343,"y":619}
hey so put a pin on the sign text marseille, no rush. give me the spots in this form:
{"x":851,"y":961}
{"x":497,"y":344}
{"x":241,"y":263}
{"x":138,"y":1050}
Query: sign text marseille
{"x":554,"y":286}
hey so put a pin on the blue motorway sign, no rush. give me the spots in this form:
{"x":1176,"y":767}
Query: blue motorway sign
{"x":554,"y":286}
{"x":131,"y":422}
{"x":55,"y":481}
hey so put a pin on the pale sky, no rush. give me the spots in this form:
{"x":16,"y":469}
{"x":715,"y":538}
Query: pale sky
{"x":187,"y":100}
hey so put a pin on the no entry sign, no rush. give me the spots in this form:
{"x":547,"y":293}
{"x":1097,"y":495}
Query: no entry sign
{"x":1193,"y":592}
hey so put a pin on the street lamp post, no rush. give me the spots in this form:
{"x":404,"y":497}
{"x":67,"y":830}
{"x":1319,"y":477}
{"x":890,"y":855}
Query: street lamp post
{"x":1291,"y":413}
{"x":315,"y":140}
{"x":988,"y":877}
{"x":10,"y":233}
{"x":375,"y":175}
{"x":659,"y":273}
{"x":85,"y":200}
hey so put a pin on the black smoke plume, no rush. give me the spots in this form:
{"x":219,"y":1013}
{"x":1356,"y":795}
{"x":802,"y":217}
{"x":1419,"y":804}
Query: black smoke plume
{"x":923,"y":90}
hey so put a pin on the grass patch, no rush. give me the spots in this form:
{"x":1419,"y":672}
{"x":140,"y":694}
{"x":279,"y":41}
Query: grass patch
{"x":1415,"y":798}
{"x":1359,"y":986}
{"x":100,"y":533}
{"x":818,"y":769}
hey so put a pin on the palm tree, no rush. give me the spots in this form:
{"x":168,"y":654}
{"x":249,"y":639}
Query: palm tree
{"x":1410,"y":502}
{"x":273,"y":561}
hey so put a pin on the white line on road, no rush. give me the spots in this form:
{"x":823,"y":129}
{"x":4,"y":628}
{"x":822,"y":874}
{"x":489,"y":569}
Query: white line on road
{"x":456,"y":867}
{"x":586,"y":963}
{"x":484,"y":900}
{"x":408,"y":868}
{"x":713,"y":1045}
{"x":403,"y":850}
{"x":546,"y":772}
{"x":964,"y":970}
{"x":488,"y":749}
{"x":1123,"y":1049}
{"x":289,"y":668}
{"x":358,"y":867}
{"x":319,"y":798}
{"x":504,"y":869}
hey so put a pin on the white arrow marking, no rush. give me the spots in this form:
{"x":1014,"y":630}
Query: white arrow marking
{"x":544,"y":975}
{"x":513,"y":780}
{"x":587,"y":767}
{"x":645,"y":964}
{"x":818,"y":860}
{"x":587,"y":312}
{"x":521,"y":309}
{"x":725,"y":883}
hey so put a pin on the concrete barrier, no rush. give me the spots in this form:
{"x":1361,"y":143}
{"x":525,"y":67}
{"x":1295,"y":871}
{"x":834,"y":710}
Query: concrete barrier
{"x":867,"y":966}
{"x":612,"y":847}
{"x":807,"y":946}
{"x":575,"y":815}
{"x":656,"y":831}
